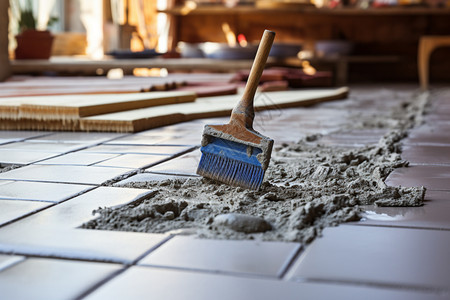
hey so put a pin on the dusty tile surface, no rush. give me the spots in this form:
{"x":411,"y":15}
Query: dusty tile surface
{"x":40,"y":191}
{"x":13,"y":209}
{"x":61,"y":279}
{"x":142,"y":283}
{"x":64,"y":174}
{"x":247,"y":257}
{"x":378,"y":255}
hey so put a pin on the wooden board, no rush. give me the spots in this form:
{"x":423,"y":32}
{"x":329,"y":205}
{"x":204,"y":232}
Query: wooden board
{"x":19,"y":86}
{"x":73,"y":107}
{"x":142,"y":119}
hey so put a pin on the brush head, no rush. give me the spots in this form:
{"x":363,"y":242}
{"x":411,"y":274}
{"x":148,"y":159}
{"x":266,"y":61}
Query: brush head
{"x":235,"y":156}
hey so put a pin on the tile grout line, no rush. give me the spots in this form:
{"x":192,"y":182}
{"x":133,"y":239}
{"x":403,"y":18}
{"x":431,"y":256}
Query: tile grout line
{"x":29,"y":200}
{"x":290,"y":262}
{"x":125,"y":268}
{"x":392,"y":286}
{"x":213,"y":272}
{"x":47,"y":207}
{"x":72,"y":151}
{"x":129,"y":174}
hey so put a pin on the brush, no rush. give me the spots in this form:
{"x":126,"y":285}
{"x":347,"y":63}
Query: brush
{"x":235,"y":153}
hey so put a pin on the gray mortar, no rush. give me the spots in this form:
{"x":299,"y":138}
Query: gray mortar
{"x":308,"y":186}
{"x":7,"y":168}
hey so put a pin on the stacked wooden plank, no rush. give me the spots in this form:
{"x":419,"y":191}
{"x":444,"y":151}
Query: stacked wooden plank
{"x":136,"y":112}
{"x":64,"y":112}
{"x":41,"y":86}
{"x":131,"y":112}
{"x":146,"y":118}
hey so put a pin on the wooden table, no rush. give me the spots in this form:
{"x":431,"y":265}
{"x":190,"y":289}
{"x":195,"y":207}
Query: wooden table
{"x":88,"y":66}
{"x":77,"y":66}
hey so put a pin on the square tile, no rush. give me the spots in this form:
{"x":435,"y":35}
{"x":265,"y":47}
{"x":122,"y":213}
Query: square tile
{"x":136,"y":161}
{"x":394,"y":257}
{"x":434,"y":214}
{"x":38,"y":278}
{"x":78,"y":159}
{"x":249,"y":257}
{"x":40,"y":191}
{"x":14,"y":209}
{"x":74,"y":213}
{"x":42,"y":147}
{"x":64,"y":174}
{"x":83,"y":244}
{"x":57,"y":234}
{"x":142,"y":283}
{"x":7,"y":261}
{"x":132,"y":149}
{"x":184,"y":165}
{"x":431,"y":177}
{"x":429,"y":134}
{"x":19,"y":157}
{"x":426,"y":154}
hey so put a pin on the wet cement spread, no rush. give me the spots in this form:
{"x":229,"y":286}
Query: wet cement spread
{"x":309,"y":185}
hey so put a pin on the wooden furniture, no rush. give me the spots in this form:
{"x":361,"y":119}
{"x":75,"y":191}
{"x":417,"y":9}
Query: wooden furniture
{"x":427,"y":45}
{"x":68,"y":65}
{"x":4,"y":57}
{"x":341,"y":65}
{"x":376,"y":32}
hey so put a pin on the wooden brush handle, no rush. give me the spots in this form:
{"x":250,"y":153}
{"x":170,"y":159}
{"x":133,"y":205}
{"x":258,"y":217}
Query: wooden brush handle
{"x":244,"y":112}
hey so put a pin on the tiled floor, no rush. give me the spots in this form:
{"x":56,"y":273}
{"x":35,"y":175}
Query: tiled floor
{"x":394,"y":253}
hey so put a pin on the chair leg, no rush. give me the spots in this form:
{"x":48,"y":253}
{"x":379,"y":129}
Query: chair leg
{"x":423,"y":60}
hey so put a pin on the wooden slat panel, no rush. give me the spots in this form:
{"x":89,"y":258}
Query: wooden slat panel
{"x":137,"y":120}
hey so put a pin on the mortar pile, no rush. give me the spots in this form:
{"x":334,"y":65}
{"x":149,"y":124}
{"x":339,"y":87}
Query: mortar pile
{"x":308,"y":186}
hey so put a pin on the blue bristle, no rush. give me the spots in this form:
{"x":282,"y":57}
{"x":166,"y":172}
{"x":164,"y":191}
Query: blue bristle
{"x":228,"y":162}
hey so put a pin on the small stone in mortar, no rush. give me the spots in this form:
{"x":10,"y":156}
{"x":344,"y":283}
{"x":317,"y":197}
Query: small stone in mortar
{"x":242,"y":223}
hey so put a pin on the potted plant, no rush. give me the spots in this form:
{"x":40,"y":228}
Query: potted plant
{"x":31,"y":42}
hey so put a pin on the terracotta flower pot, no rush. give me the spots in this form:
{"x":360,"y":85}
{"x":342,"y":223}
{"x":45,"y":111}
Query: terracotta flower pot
{"x":34,"y":44}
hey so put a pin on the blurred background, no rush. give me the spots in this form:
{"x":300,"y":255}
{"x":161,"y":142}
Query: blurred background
{"x":355,"y":40}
